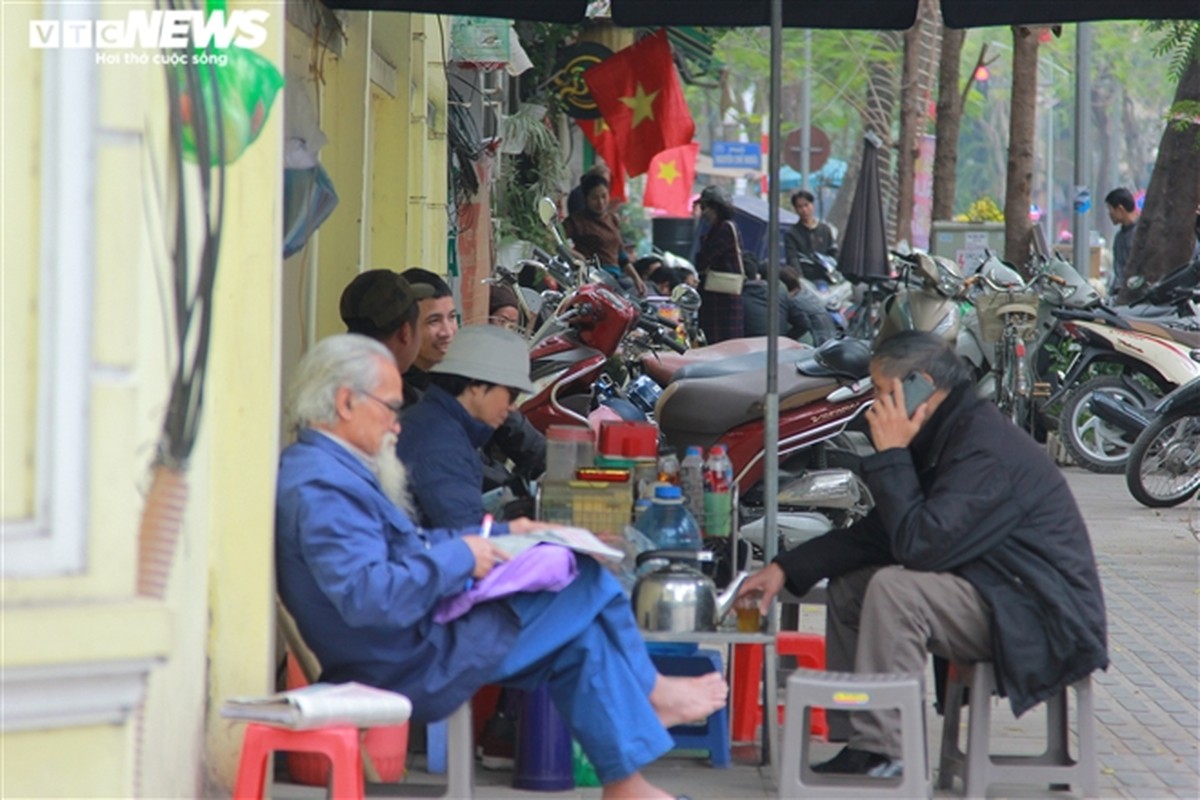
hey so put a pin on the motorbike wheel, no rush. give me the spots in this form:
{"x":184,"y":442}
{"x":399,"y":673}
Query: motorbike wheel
{"x":1093,"y":443}
{"x":1164,"y":465}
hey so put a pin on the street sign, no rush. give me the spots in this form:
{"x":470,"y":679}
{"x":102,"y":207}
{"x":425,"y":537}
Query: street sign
{"x":818,"y":152}
{"x":737,"y":154}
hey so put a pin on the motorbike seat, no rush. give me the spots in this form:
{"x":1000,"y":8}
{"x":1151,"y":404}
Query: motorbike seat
{"x":1183,"y":337}
{"x":662,"y":367}
{"x":700,"y":410}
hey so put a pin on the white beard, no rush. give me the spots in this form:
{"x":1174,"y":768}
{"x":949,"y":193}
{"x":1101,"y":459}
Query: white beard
{"x":393,"y":476}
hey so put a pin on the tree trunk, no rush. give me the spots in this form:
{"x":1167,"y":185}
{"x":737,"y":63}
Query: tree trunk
{"x":1165,"y":233}
{"x":921,"y":43}
{"x":949,"y":120}
{"x":1021,"y":132}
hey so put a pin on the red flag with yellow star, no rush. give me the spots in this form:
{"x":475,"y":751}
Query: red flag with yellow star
{"x":669,"y":181}
{"x":639,"y":93}
{"x":605,"y":145}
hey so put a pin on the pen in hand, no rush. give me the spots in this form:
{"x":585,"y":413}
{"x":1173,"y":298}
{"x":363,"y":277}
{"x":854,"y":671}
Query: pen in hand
{"x":486,"y":530}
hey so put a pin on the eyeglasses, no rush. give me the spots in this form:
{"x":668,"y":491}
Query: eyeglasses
{"x":504,"y":322}
{"x":392,"y":407}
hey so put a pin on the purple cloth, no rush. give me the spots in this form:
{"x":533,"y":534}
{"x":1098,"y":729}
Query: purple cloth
{"x":541,"y":568}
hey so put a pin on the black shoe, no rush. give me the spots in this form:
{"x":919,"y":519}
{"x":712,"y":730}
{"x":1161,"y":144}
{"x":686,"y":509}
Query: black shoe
{"x":851,"y":761}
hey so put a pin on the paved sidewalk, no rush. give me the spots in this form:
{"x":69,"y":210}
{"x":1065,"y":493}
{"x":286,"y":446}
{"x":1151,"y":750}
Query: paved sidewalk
{"x":1148,"y":703}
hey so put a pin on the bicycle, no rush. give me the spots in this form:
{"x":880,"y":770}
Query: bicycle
{"x":1008,"y":318}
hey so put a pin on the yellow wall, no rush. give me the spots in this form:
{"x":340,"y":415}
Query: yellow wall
{"x":211,"y":636}
{"x":386,"y":155}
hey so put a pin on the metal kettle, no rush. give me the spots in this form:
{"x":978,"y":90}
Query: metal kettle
{"x":678,"y":598}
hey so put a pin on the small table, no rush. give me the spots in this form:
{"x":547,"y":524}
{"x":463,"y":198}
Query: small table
{"x":770,"y":669}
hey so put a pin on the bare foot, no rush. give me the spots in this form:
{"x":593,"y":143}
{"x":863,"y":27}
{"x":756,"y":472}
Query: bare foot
{"x":678,"y":700}
{"x":635,"y":787}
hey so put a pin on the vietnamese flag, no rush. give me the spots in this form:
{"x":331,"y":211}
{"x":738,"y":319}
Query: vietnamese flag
{"x":605,"y":145}
{"x":639,"y":94}
{"x":669,"y":181}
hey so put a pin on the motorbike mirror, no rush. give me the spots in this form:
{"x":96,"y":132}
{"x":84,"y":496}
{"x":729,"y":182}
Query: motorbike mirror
{"x":552,"y":299}
{"x":686,"y":297}
{"x":546,"y":210}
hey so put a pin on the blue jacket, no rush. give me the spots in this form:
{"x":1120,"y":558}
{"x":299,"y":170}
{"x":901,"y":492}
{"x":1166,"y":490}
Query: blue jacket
{"x":439,"y":444}
{"x":363,"y":581}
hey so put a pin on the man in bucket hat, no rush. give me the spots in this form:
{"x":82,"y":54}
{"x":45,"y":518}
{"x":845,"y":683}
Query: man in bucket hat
{"x":471,"y":393}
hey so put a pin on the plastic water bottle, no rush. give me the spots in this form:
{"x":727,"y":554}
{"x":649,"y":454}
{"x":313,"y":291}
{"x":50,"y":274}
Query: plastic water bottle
{"x":668,"y":466}
{"x":691,"y":481}
{"x":718,"y":483}
{"x":668,"y":523}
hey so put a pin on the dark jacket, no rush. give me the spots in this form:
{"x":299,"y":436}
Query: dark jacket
{"x":975,"y":497}
{"x":798,"y":314}
{"x":439,"y":444}
{"x":721,"y":315}
{"x":517,"y":441}
{"x":416,"y":382}
{"x":799,"y":240}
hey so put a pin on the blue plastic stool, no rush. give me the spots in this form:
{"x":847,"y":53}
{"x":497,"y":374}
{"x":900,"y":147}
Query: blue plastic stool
{"x":713,"y":735}
{"x":435,"y":747}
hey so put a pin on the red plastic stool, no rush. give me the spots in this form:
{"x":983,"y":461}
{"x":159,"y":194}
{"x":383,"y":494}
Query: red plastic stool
{"x":809,"y":652}
{"x":338,"y":743}
{"x":386,"y":746}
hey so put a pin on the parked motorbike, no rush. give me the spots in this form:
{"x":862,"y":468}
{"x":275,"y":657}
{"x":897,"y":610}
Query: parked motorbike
{"x":1164,"y":465}
{"x":926,"y":298}
{"x":820,"y":276}
{"x":570,"y":352}
{"x":713,"y":400}
{"x":1150,"y":359}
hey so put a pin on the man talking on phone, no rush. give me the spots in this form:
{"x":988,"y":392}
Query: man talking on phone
{"x":975,"y":551}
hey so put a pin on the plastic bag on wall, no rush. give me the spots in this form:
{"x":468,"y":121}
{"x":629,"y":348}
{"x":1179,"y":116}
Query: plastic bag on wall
{"x":246,"y":85}
{"x":308,"y":200}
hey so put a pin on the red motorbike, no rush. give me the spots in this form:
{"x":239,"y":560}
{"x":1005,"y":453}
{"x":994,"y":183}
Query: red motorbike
{"x":570,"y":353}
{"x":714,"y":398}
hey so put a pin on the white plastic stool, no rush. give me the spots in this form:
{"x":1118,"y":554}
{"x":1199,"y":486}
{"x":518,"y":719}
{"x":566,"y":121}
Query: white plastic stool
{"x":847,"y":691}
{"x":978,"y":768}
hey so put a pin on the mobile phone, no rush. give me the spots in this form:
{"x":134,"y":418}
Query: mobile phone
{"x":917,"y":389}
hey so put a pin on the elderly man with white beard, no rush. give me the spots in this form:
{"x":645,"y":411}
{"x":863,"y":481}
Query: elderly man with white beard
{"x":364,"y":584}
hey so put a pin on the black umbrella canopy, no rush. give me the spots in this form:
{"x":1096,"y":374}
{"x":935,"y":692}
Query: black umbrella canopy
{"x":845,"y":14}
{"x":863,"y":252}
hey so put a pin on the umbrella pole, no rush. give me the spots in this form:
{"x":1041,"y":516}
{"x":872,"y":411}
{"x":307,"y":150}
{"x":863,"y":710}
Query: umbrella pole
{"x":771,"y":412}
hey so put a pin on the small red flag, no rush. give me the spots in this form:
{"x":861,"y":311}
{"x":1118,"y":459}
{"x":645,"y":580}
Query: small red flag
{"x":669,"y":181}
{"x":605,"y":145}
{"x":639,"y":93}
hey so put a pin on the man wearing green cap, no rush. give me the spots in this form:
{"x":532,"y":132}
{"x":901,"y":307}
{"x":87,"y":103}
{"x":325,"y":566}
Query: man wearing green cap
{"x":384,"y":306}
{"x":472,"y":390}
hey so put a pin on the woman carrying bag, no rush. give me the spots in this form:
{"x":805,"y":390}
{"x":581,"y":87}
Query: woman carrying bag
{"x":719,"y":262}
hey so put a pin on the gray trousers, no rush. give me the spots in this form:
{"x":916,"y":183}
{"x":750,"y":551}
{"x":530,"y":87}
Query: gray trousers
{"x":890,"y":619}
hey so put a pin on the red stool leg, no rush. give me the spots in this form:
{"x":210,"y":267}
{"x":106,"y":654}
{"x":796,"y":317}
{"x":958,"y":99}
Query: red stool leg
{"x":809,"y":652}
{"x":747,"y":711}
{"x":344,"y":752}
{"x":252,"y":768}
{"x":340,"y":744}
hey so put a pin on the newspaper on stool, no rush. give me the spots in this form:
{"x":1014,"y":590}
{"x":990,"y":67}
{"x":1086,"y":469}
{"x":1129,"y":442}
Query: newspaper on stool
{"x":323,"y":704}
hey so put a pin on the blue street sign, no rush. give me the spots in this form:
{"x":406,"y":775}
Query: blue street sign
{"x":746,"y":155}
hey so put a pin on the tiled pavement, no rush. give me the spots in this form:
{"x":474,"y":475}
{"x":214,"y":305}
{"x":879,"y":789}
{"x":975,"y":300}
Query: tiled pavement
{"x":1147,"y":703}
